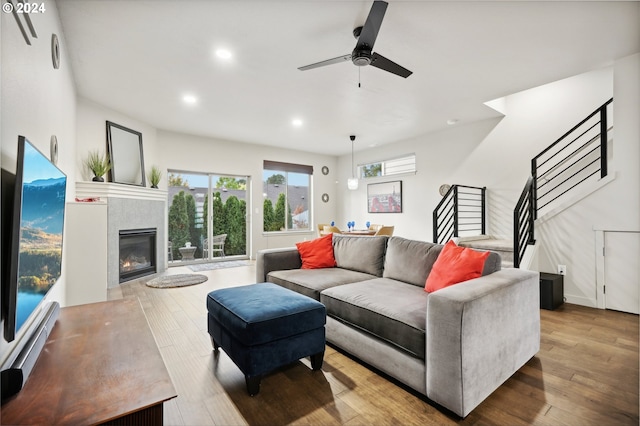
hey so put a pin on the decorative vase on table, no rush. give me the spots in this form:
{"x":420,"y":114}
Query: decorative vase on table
{"x":98,"y":179}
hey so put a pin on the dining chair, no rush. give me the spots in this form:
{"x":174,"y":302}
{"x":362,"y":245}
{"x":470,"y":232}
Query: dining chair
{"x":374,"y":227}
{"x":321,"y":229}
{"x":331,"y":229}
{"x":385,"y":230}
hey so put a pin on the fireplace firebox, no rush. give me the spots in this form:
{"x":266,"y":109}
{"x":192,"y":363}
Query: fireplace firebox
{"x":137,"y":253}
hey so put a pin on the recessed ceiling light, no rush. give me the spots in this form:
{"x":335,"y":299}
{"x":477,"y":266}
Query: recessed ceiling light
{"x":223,"y":54}
{"x":189,"y":99}
{"x":296,"y":122}
{"x":452,"y":121}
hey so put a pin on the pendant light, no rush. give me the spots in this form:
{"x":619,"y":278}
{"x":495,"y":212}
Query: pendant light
{"x":352,"y":182}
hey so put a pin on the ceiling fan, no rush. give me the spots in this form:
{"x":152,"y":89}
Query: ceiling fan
{"x":362,"y":54}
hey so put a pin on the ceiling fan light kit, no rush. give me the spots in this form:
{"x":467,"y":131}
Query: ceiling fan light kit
{"x":363,"y":55}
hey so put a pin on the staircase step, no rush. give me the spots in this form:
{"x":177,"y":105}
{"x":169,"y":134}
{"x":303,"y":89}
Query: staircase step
{"x":502,"y":246}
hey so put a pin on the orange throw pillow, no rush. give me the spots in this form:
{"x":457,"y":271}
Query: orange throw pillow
{"x":454,"y":265}
{"x":317,"y":253}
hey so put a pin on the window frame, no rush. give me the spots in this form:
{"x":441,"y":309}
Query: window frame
{"x":385,"y":165}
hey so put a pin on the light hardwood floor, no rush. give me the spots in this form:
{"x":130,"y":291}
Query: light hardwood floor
{"x":586,"y":373}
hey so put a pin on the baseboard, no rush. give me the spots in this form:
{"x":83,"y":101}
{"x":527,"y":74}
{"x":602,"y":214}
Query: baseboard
{"x":580,"y":300}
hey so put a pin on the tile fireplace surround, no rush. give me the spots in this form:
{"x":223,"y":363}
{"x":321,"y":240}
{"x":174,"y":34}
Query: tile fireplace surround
{"x":128,"y":207}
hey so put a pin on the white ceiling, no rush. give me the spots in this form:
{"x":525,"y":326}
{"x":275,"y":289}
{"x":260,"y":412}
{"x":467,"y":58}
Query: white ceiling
{"x":141,"y":57}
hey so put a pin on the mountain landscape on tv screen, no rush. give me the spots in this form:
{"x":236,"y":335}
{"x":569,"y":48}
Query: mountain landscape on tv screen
{"x":40,"y":257}
{"x":43,"y":205}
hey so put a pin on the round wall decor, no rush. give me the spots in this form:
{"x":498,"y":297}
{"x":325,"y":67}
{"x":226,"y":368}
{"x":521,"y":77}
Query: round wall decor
{"x":53,"y":149}
{"x":325,"y":198}
{"x":325,"y":170}
{"x":444,"y":188}
{"x":55,"y":51}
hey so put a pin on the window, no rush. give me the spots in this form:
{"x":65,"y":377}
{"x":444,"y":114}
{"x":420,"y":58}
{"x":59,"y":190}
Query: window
{"x":286,"y":192}
{"x":394,"y":166}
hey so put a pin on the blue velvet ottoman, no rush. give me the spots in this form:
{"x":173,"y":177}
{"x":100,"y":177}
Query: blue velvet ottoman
{"x":264,"y":326}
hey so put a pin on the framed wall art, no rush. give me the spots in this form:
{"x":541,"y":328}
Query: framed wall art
{"x":385,"y":197}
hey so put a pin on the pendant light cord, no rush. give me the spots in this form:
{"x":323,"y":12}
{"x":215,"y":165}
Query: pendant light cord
{"x":353,"y":175}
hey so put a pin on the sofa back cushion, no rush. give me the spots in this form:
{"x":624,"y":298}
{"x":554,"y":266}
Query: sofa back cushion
{"x":492,"y":264}
{"x":361,"y":254}
{"x":410,"y":260}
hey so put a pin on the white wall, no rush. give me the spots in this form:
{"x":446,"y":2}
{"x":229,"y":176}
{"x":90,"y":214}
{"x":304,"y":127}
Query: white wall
{"x":37,"y":101}
{"x":437,"y":155}
{"x":199,"y":154}
{"x":569,"y":238}
{"x":497,"y":154}
{"x":170,"y":150}
{"x":92,"y":135}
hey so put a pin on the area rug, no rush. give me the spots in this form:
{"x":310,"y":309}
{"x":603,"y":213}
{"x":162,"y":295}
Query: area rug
{"x":178,"y":280}
{"x":218,"y":265}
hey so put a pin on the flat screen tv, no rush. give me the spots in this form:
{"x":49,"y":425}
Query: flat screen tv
{"x":33,"y":258}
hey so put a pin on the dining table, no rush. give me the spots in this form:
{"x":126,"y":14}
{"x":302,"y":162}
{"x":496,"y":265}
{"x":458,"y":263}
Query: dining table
{"x":367,"y":232}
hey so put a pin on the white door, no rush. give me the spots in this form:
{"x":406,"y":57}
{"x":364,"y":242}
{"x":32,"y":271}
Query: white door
{"x":622,"y":271}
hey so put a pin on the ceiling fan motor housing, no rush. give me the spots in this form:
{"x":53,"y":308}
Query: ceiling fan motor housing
{"x":361,"y":56}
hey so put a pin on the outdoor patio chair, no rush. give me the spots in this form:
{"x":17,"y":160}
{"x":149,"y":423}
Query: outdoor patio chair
{"x":217,"y":245}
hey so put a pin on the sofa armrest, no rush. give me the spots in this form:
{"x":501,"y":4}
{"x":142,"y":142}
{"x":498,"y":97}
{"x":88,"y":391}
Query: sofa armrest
{"x":479,"y":333}
{"x":276,"y":260}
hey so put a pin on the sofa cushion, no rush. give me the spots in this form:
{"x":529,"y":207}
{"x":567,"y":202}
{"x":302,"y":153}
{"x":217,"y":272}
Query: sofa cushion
{"x":454,"y":265}
{"x":362,"y":254}
{"x":311,"y":282}
{"x":409,"y":260}
{"x":391,"y":310}
{"x":492,"y":264}
{"x":317,"y":253}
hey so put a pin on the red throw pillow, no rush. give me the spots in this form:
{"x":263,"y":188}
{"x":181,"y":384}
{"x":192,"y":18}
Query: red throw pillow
{"x":454,"y":265}
{"x":317,"y":253}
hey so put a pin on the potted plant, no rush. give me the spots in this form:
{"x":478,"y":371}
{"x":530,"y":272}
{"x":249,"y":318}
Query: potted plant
{"x":99,"y":165}
{"x":154,"y":176}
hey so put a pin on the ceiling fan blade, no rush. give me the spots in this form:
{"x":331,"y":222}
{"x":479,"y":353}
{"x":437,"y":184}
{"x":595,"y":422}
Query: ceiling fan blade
{"x":385,"y":64}
{"x":371,"y":27}
{"x":337,"y":60}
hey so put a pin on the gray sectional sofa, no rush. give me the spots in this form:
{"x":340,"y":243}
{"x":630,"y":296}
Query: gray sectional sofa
{"x":455,"y":345}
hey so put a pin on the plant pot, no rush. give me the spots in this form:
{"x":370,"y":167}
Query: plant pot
{"x":154,"y":186}
{"x":98,"y":179}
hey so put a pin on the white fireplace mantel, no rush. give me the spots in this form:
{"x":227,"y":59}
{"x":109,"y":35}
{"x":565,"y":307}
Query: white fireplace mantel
{"x":106,"y":190}
{"x":97,"y":224}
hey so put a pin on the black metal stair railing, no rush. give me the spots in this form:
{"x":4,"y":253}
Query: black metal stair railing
{"x":577,"y":156}
{"x":523,"y":220}
{"x":462,"y":211}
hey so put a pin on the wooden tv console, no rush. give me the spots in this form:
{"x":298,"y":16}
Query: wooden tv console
{"x":100,"y":364}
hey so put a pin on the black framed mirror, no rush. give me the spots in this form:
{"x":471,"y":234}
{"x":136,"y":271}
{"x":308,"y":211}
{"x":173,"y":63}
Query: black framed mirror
{"x":125,"y":153}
